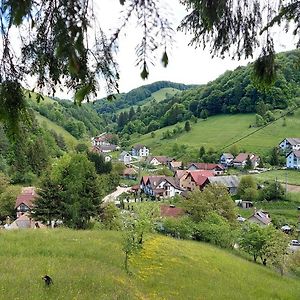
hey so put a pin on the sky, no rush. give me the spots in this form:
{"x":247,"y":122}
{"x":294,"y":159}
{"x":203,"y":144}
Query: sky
{"x":186,"y":64}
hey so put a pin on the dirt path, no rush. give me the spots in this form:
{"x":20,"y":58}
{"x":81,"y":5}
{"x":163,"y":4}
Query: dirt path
{"x":114,"y":195}
{"x":293,"y":188}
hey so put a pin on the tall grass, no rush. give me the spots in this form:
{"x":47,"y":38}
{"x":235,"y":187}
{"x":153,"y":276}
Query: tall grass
{"x":89,"y":265}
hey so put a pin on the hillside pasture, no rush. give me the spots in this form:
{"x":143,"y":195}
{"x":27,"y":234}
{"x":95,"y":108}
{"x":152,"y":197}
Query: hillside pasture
{"x":221,"y":131}
{"x":89,"y":265}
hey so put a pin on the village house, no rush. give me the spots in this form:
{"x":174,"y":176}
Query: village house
{"x":216,"y":168}
{"x":25,"y":200}
{"x":130,"y":173}
{"x":289,"y":144}
{"x":140,"y":151}
{"x":160,"y":186}
{"x":105,"y":148}
{"x":293,"y":160}
{"x":260,"y":217}
{"x":158,"y":160}
{"x":230,"y":182}
{"x":175,"y":165}
{"x":226,"y":159}
{"x":101,"y":140}
{"x":197,"y":179}
{"x":241,"y":160}
{"x":125,"y":157}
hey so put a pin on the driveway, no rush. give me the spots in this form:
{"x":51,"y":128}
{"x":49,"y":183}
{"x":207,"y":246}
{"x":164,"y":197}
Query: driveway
{"x":293,"y":188}
{"x":114,"y":195}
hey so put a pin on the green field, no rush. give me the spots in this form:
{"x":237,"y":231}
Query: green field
{"x":289,"y":176}
{"x":89,"y":265}
{"x":222,"y":130}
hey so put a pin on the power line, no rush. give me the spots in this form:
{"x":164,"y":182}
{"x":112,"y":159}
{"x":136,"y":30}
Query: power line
{"x":260,"y":128}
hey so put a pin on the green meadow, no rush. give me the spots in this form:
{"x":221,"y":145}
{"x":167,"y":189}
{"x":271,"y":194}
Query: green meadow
{"x":289,"y":176}
{"x":158,"y":96}
{"x":89,"y":265}
{"x":222,"y":130}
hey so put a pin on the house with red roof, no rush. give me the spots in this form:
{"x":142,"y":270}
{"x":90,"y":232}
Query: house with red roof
{"x":196,"y":179}
{"x":218,"y":169}
{"x":25,"y":200}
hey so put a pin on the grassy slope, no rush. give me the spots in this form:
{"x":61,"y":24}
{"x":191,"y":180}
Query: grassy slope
{"x":219,"y":131}
{"x":158,"y":96}
{"x":291,"y":176}
{"x":88,"y":265}
{"x":43,"y":121}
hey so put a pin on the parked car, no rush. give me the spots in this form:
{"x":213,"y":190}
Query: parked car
{"x":295,"y":243}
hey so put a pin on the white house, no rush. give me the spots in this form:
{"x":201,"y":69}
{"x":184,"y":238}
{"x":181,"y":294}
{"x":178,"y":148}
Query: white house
{"x":289,"y":144}
{"x":101,"y":140}
{"x":293,"y":160}
{"x":158,"y":160}
{"x":226,"y":159}
{"x":140,"y":150}
{"x":125,"y":157}
{"x":160,"y":186}
{"x":241,"y":160}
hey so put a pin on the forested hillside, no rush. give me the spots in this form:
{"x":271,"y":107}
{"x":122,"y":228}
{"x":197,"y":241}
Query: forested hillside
{"x":78,"y":121}
{"x":233,"y":92}
{"x":135,"y":96}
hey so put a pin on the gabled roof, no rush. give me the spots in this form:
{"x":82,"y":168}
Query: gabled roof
{"x":244,"y":156}
{"x":180,"y":173}
{"x":176,"y":164}
{"x":144,"y":179}
{"x":26,"y":197}
{"x":231,"y":181}
{"x":103,"y":137}
{"x":198,"y":178}
{"x":161,"y":159}
{"x":124,"y":153}
{"x":138,"y":147}
{"x":129,"y":171}
{"x":295,"y":152}
{"x":154,"y":181}
{"x":206,"y":166}
{"x":293,"y":141}
{"x":228,"y":155}
{"x":262,"y":217}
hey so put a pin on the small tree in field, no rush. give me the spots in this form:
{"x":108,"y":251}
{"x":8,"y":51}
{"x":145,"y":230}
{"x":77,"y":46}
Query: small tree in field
{"x":253,"y":239}
{"x":187,"y":126}
{"x":275,"y":250}
{"x":201,"y":151}
{"x":204,"y":114}
{"x":136,"y":226}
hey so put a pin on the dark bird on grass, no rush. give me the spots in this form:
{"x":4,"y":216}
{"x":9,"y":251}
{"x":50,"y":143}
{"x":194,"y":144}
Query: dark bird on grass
{"x":48,"y":280}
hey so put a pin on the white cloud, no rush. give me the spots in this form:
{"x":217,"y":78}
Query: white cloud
{"x":186,"y":64}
